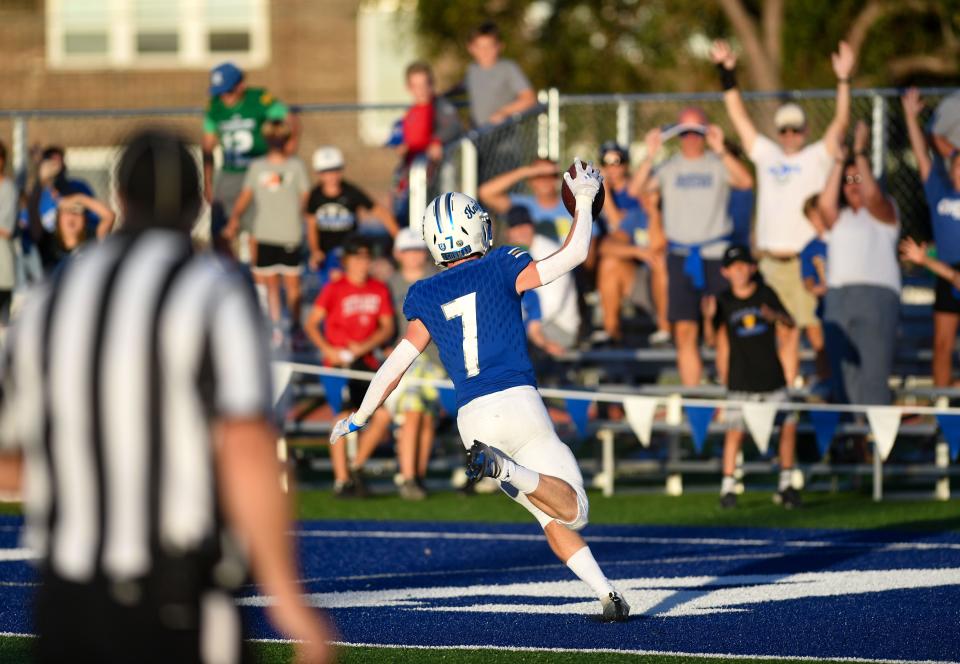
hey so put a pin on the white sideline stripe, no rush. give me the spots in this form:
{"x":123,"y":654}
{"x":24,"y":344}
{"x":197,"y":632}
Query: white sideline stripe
{"x":625,"y":539}
{"x":7,"y":555}
{"x":616,"y":651}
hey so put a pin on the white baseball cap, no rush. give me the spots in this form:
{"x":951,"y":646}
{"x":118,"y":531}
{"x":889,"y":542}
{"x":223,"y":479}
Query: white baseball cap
{"x":327,"y":158}
{"x":408,"y":239}
{"x":790,"y":115}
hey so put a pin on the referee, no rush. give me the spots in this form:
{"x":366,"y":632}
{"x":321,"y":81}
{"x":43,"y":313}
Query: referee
{"x":137,"y":390}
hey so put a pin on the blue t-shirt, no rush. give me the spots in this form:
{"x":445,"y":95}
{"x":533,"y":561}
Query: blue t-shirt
{"x":944,"y":203}
{"x":635,"y":222}
{"x":473,"y":314}
{"x":740,"y":209}
{"x":530,"y":305}
{"x":553,"y":223}
{"x":808,"y":269}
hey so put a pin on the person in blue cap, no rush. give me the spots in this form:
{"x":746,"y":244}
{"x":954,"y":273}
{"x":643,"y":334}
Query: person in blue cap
{"x":234,"y":118}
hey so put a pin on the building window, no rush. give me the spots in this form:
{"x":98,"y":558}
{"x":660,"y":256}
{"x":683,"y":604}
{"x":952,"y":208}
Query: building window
{"x":126,"y":34}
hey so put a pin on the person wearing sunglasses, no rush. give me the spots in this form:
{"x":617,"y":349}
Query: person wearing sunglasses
{"x":632,"y":259}
{"x":789,"y":171}
{"x":862,"y":305}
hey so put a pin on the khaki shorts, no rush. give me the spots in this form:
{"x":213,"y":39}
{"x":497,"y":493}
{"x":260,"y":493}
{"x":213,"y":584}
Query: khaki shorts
{"x":783,"y":276}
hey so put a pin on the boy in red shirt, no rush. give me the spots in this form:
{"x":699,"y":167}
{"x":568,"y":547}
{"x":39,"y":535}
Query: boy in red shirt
{"x":356,"y":313}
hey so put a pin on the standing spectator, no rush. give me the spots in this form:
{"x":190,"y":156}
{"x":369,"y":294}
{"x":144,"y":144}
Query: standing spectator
{"x":788,"y":171}
{"x":695,"y":187}
{"x":336,"y":206}
{"x":543,"y":203}
{"x":632,"y":258}
{"x":558,"y":299}
{"x":234,"y":121}
{"x":750,"y":312}
{"x":278,"y":185}
{"x":496,"y":87}
{"x":428,"y":126}
{"x":356,"y":314}
{"x":415,"y":407}
{"x":8,"y":224}
{"x":137,"y":388}
{"x":863,"y":277}
{"x":941,"y":185}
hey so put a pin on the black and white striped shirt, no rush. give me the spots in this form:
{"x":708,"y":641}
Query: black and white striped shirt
{"x":114,"y":376}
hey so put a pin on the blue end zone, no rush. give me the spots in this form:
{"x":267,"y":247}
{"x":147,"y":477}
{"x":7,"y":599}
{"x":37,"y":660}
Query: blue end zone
{"x":864,"y":594}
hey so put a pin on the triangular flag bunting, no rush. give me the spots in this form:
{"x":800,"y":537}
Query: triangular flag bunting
{"x":333,"y":387}
{"x":640,"y":412}
{"x":282,"y":371}
{"x":577,"y":408}
{"x":448,"y":399}
{"x":884,"y":422}
{"x":950,"y":427}
{"x":759,"y":419}
{"x":700,"y":418}
{"x":825,"y":423}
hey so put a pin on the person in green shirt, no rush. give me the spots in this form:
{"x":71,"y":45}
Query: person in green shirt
{"x":234,"y":120}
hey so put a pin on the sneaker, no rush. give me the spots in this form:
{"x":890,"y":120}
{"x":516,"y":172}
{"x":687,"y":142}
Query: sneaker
{"x":728,"y":501}
{"x":615,"y":608}
{"x":346,"y":489}
{"x":482,"y":461}
{"x":410,"y":490}
{"x":789,"y":498}
{"x":660,"y":338}
{"x":356,"y":479}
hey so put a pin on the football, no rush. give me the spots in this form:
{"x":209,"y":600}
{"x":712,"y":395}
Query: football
{"x":570,"y":202}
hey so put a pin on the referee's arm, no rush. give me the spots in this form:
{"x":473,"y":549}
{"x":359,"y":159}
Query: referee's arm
{"x":248,"y":469}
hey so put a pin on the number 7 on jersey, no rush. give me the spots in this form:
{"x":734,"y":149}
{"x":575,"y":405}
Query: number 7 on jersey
{"x":465,"y":308}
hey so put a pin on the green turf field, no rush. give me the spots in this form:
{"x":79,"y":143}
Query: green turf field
{"x":821,"y":510}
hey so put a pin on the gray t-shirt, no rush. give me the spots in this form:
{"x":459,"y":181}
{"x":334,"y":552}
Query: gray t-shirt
{"x":398,"y":291}
{"x":695,"y":194}
{"x":492,"y":89}
{"x":8,"y":220}
{"x":278,"y":190}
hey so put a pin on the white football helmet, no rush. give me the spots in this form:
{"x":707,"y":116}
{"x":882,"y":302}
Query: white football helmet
{"x":455,"y":226}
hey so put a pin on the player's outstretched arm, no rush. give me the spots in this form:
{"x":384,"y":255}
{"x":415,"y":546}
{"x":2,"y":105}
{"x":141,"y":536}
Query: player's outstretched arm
{"x":585,"y":187}
{"x":386,"y":380}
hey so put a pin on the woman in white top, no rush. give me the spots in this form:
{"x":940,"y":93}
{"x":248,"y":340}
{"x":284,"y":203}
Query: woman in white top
{"x":863,"y":277}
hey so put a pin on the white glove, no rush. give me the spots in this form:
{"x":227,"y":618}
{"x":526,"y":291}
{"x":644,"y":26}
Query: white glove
{"x":587,"y":182}
{"x":344,"y":427}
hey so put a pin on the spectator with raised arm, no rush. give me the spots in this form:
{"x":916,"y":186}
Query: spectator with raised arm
{"x":941,"y":186}
{"x":863,"y":276}
{"x":695,"y":188}
{"x":70,"y":233}
{"x":789,"y":170}
{"x":632,"y":263}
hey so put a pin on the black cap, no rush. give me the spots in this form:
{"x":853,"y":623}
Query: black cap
{"x":613,"y":146}
{"x":518,"y":215}
{"x":355,"y":244}
{"x":737,"y":253}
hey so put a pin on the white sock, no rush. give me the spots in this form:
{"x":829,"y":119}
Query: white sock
{"x":727,"y":485}
{"x":586,"y":568}
{"x":520,"y":477}
{"x":786,"y":479}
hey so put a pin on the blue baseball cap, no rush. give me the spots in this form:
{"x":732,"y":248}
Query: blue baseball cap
{"x":224,"y":78}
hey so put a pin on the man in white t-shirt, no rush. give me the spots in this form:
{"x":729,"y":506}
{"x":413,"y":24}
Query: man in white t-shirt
{"x":788,"y":172}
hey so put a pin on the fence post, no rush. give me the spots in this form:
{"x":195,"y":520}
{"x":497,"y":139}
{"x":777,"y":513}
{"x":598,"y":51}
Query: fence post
{"x":879,"y":138}
{"x":942,"y":488}
{"x":624,"y":123}
{"x":553,"y":114}
{"x":417,"y":202}
{"x":543,"y":127}
{"x":877,"y":475}
{"x":468,"y":167}
{"x":606,"y":441}
{"x":19,"y":144}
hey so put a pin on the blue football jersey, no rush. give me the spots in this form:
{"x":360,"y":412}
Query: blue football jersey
{"x":472,"y":311}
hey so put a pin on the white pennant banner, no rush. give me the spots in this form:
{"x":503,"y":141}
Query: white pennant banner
{"x":884,"y":422}
{"x":640,"y":412}
{"x":282,"y":371}
{"x":759,"y":418}
{"x":674,"y":410}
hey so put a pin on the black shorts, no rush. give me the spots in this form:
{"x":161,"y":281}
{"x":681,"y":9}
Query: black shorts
{"x":86,"y":622}
{"x":947,"y":299}
{"x":683,"y":298}
{"x":278,"y":259}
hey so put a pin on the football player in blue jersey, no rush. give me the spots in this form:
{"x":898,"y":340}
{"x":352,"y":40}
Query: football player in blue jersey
{"x":471,"y":309}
